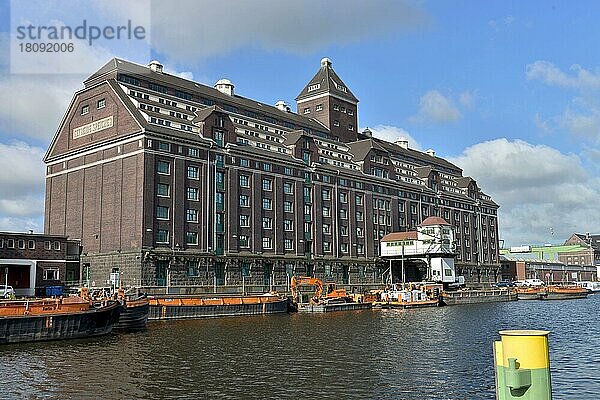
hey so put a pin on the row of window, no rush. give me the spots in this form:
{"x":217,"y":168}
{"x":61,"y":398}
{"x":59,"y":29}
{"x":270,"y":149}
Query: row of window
{"x":99,"y":104}
{"x":29,"y":244}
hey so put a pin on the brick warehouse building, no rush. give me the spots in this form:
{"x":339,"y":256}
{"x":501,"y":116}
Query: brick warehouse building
{"x":174,"y":183}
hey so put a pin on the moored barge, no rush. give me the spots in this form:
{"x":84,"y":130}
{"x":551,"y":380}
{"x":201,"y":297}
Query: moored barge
{"x":477,"y":296}
{"x":134,"y":314}
{"x":564,"y":293}
{"x":53,"y":319}
{"x":184,"y":307}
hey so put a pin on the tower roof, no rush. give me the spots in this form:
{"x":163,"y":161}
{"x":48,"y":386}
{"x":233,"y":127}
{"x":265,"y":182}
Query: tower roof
{"x":326,"y":81}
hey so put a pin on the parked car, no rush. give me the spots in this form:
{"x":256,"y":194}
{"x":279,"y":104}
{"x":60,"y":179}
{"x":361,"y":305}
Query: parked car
{"x":7,"y":291}
{"x":504,"y":284}
{"x":534,"y":282}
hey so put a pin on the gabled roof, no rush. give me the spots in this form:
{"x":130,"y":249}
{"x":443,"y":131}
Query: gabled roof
{"x":117,"y":65}
{"x":434,"y":221}
{"x":328,"y":82}
{"x":464,"y":182}
{"x":395,"y":149}
{"x":361,"y":148}
{"x":392,"y":237}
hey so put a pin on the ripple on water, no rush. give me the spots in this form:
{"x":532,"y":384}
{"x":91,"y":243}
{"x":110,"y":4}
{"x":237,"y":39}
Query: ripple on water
{"x":443,"y":353}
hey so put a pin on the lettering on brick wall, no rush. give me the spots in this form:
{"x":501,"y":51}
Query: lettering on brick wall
{"x":93,"y":127}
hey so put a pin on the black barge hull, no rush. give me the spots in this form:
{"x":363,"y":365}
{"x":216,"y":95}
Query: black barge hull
{"x":133,"y":318}
{"x":28,"y":328}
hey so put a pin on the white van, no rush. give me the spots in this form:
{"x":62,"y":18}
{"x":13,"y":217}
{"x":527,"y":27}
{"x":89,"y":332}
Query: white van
{"x":534,"y":282}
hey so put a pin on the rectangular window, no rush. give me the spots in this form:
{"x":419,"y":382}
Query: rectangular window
{"x":326,"y":194}
{"x":327,"y":247}
{"x":267,"y":167}
{"x":307,"y":110}
{"x":51,"y":274}
{"x":244,"y":162}
{"x":101,"y":103}
{"x":288,"y":244}
{"x":162,"y":190}
{"x":288,"y":171}
{"x":267,"y":204}
{"x":162,"y":212}
{"x":344,"y":230}
{"x":21,"y":243}
{"x":193,"y":172}
{"x":343,"y":197}
{"x":267,"y":243}
{"x":288,"y":206}
{"x":193,"y":152}
{"x":85,"y":110}
{"x":191,"y":215}
{"x":267,"y":223}
{"x":31,"y":244}
{"x":10,"y":244}
{"x":244,"y":181}
{"x":244,"y":200}
{"x":191,"y":238}
{"x":47,"y":245}
{"x":359,"y":199}
{"x":192,"y":268}
{"x":243,"y":241}
{"x":162,"y":236}
{"x":288,"y":225}
{"x":360,"y":248}
{"x":288,"y":188}
{"x":192,"y":194}
{"x":56,"y":245}
{"x":267,"y":184}
{"x":326,"y":229}
{"x":244,"y":221}
{"x":163,"y":167}
{"x":360,"y":232}
{"x":344,"y":247}
{"x":343,"y":214}
{"x":164,"y":146}
{"x":359,"y":216}
{"x":326,"y":212}
{"x":319,"y":107}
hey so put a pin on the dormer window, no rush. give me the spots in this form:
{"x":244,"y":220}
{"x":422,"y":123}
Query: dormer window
{"x":336,"y":123}
{"x":85,"y":110}
{"x":319,"y":107}
{"x":307,"y":110}
{"x":336,"y":107}
{"x":314,"y":87}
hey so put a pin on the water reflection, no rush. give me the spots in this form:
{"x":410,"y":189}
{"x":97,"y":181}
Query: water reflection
{"x":415,"y":354}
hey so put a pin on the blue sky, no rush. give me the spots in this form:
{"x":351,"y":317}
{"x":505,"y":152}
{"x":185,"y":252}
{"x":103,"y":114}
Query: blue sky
{"x":507,"y":90}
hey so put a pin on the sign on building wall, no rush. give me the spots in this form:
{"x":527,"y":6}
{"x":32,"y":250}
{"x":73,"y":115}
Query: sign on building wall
{"x":93,"y":127}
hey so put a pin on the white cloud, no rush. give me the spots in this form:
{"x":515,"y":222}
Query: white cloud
{"x":435,"y":107}
{"x":216,"y":28}
{"x":582,"y":118}
{"x":392,"y":133}
{"x":537,"y":187}
{"x":21,"y":187}
{"x":36,"y":105}
{"x":551,"y":75}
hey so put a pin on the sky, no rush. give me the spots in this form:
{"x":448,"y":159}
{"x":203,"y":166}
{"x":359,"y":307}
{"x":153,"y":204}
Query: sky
{"x":507,"y":90}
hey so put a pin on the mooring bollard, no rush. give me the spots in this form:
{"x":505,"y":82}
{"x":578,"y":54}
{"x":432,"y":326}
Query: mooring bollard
{"x":522,"y":365}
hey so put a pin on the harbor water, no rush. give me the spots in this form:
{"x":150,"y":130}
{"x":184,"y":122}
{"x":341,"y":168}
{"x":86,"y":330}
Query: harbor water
{"x":436,"y":353}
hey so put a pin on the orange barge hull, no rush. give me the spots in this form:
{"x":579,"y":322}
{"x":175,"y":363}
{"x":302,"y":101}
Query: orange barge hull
{"x":197,"y":307}
{"x":47,"y":320}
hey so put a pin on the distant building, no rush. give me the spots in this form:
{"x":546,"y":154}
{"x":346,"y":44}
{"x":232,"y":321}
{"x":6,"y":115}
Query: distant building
{"x":170,"y":182}
{"x":425,"y":254}
{"x":33,"y":260}
{"x":576,"y":260}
